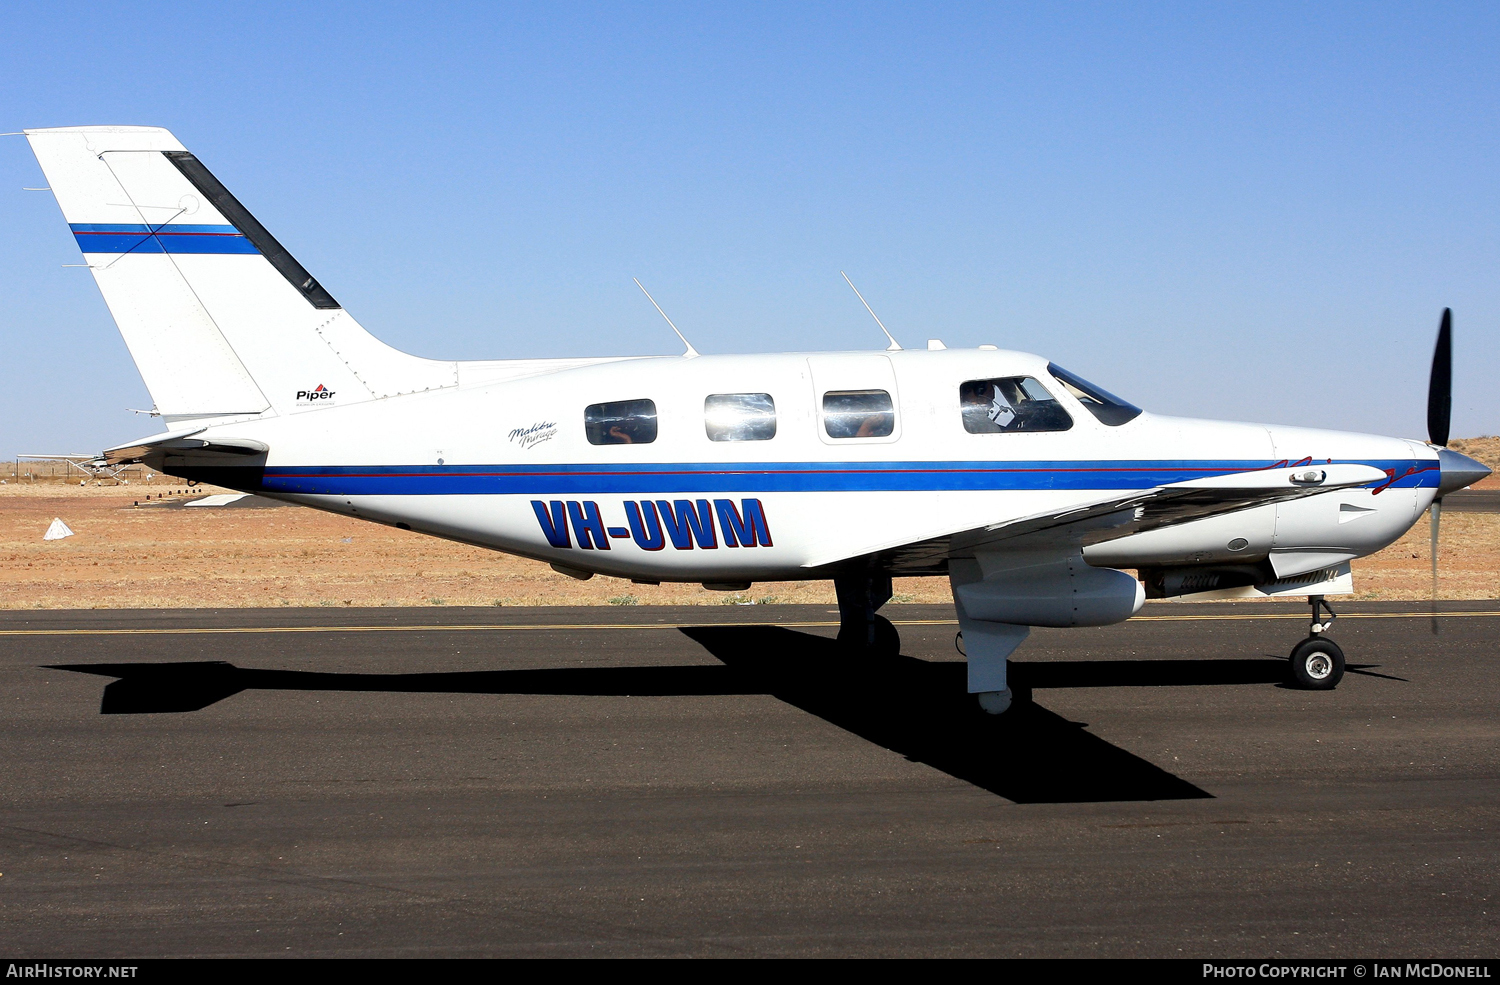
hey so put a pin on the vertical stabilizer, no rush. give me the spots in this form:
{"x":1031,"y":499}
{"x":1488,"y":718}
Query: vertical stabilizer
{"x":220,"y":318}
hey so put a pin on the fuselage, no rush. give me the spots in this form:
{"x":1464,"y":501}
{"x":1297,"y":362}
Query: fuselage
{"x":529,"y":465}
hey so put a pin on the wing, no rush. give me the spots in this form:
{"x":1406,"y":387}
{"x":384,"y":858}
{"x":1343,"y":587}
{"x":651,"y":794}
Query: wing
{"x":1112,"y":517}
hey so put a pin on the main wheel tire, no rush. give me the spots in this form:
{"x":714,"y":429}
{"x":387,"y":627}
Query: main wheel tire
{"x":994,"y":702}
{"x":1317,"y":664}
{"x":887,"y":640}
{"x":882,"y":640}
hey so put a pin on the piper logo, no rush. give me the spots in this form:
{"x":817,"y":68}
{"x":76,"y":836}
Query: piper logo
{"x":309,"y":396}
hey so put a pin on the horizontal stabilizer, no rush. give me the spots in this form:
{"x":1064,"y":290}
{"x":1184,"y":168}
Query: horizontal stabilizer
{"x":185,"y":449}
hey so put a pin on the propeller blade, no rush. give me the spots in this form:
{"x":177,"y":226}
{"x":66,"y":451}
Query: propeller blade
{"x":1440,"y":385}
{"x":1437,"y":518}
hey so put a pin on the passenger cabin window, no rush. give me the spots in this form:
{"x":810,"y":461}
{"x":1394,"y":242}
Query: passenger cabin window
{"x":624,"y":422}
{"x":739,"y":417}
{"x":858,"y":414}
{"x":1016,"y":403}
{"x":1107,"y":407}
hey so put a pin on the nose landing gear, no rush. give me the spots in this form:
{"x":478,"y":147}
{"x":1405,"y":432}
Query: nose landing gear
{"x":1318,"y":663}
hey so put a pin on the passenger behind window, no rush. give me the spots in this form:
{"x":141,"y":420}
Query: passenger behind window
{"x":739,"y":417}
{"x":624,"y":422}
{"x":1015,"y":403}
{"x":858,"y":414}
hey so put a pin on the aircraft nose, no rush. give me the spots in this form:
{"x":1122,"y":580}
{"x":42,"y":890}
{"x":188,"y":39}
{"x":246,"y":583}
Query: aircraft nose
{"x":1458,"y":471}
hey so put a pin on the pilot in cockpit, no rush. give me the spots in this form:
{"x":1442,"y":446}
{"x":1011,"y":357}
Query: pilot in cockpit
{"x":1011,"y":404}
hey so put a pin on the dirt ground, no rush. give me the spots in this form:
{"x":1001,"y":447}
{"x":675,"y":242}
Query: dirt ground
{"x":157,"y":555}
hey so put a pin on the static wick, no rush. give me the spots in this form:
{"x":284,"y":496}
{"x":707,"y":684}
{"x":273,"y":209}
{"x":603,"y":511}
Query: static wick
{"x":691,"y":353}
{"x":894,"y":346}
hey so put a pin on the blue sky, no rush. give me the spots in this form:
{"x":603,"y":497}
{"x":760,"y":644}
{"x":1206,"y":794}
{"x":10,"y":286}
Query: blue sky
{"x":1252,"y":212}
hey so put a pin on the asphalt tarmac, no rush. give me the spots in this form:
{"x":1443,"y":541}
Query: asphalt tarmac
{"x":658,"y":782}
{"x":1473,"y":501}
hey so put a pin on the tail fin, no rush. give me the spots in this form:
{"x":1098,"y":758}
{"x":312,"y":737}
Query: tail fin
{"x":221,"y":320}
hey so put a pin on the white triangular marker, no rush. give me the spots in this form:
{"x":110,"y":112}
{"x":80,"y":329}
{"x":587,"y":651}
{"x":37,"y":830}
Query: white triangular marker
{"x":57,"y":531}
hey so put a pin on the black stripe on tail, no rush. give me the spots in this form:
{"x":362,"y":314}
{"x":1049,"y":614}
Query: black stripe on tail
{"x":193,"y":170}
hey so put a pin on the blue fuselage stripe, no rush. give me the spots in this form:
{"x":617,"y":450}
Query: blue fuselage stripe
{"x":124,"y":237}
{"x":667,"y":479}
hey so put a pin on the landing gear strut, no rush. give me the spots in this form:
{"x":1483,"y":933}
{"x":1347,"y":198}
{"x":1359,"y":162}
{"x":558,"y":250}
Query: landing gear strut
{"x":861,"y":628}
{"x":1318,"y":663}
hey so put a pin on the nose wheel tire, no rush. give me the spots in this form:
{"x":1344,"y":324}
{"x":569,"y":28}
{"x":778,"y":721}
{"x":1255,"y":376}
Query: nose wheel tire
{"x":1317,"y":664}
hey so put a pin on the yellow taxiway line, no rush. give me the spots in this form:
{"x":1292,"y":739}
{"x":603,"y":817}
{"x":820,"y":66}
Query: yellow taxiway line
{"x":563,"y":627}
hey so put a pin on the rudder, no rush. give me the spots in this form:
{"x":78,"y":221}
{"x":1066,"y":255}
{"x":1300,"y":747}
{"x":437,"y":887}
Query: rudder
{"x":221,"y":320}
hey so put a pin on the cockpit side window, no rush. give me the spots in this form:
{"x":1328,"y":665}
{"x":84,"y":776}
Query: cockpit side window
{"x":624,"y":422}
{"x":1107,"y":407}
{"x":1015,"y":403}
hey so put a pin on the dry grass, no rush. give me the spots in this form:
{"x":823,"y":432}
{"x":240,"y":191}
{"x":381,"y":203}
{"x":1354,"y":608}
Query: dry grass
{"x":124,"y":557}
{"x":1485,"y":449}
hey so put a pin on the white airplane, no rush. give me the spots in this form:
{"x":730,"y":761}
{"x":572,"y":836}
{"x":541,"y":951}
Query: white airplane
{"x":1028,"y":487}
{"x":88,"y":465}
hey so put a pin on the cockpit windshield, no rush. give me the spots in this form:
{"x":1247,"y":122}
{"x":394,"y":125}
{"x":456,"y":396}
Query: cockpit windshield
{"x":1107,"y":407}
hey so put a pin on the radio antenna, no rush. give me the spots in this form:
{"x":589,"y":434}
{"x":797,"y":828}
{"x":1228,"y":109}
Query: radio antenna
{"x":894,"y":346}
{"x":691,"y":352}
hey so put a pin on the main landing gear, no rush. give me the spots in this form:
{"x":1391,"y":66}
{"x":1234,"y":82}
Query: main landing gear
{"x":861,"y":629}
{"x":1318,"y":663}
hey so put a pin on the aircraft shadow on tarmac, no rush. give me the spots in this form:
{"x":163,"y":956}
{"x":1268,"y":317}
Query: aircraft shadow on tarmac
{"x":913,"y":707}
